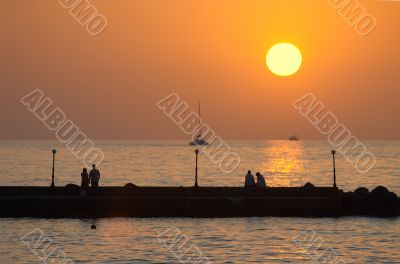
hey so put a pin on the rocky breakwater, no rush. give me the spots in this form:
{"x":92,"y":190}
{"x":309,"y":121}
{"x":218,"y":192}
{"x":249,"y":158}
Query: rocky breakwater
{"x":379,"y":202}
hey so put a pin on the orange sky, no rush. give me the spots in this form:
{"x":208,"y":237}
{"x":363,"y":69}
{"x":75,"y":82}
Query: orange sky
{"x":214,"y":51}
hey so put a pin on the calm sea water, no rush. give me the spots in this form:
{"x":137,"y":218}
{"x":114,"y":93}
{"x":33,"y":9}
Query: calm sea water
{"x":171,"y":163}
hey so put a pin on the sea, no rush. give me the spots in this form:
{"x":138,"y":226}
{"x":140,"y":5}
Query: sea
{"x":186,"y":240}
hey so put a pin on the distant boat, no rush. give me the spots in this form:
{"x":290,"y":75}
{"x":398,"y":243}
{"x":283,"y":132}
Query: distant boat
{"x":294,"y":138}
{"x":199,"y":141}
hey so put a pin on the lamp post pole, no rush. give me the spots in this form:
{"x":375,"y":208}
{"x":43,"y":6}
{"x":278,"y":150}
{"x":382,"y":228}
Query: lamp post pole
{"x":54,"y":151}
{"x":195,"y":182}
{"x":334,"y":167}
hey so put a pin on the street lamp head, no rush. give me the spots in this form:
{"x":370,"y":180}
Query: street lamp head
{"x":197,"y":151}
{"x":54,"y":151}
{"x":333,"y":152}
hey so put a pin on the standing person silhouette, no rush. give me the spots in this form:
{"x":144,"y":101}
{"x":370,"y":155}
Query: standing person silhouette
{"x":94,"y":177}
{"x":85,"y":180}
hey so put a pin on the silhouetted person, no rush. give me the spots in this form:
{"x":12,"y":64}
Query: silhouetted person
{"x":94,"y":177}
{"x":85,"y":179}
{"x":260,"y":180}
{"x":249,"y":180}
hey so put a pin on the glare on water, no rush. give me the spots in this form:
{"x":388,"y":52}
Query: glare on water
{"x":236,"y":240}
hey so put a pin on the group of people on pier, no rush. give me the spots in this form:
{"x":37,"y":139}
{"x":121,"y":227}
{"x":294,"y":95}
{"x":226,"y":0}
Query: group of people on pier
{"x":92,"y":178}
{"x":250,"y":182}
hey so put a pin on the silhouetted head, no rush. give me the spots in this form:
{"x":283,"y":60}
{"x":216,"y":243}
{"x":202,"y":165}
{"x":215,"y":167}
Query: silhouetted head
{"x":258,"y":174}
{"x":84,"y":170}
{"x":94,"y":166}
{"x":249,"y":172}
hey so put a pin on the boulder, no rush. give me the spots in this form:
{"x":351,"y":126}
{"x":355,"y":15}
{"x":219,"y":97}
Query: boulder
{"x":72,"y":189}
{"x":389,"y":204}
{"x":361,"y":191}
{"x":308,"y":185}
{"x":379,"y":192}
{"x":382,"y":202}
{"x":130,"y":186}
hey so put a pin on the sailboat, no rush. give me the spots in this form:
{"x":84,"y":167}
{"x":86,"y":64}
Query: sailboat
{"x":199,"y":141}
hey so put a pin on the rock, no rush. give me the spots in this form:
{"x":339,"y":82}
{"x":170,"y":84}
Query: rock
{"x":379,"y":191}
{"x":361,"y":191}
{"x":388,"y":204}
{"x":360,"y":204}
{"x":72,"y":189}
{"x":308,"y":185}
{"x":379,"y":202}
{"x":130,"y":186}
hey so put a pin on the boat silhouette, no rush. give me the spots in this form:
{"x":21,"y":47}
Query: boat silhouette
{"x":199,"y":141}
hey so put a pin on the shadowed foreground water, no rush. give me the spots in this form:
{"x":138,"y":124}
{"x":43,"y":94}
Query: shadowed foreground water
{"x":239,"y":240}
{"x":242,"y":240}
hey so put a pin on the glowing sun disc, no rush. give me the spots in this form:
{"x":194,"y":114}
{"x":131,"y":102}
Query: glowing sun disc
{"x":284,"y":59}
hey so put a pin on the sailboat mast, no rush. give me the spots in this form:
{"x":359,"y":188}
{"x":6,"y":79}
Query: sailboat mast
{"x":198,"y":105}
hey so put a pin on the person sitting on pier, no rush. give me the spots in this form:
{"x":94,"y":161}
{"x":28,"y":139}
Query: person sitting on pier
{"x":260,"y":180}
{"x":85,"y":179}
{"x":94,"y":176}
{"x":249,"y":180}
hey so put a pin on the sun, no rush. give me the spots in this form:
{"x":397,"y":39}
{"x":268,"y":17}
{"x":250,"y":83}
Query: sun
{"x":284,"y":59}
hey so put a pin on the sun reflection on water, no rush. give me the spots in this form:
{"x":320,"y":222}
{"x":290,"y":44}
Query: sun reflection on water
{"x":285,"y":163}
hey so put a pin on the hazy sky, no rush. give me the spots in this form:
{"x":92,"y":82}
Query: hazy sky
{"x":208,"y":50}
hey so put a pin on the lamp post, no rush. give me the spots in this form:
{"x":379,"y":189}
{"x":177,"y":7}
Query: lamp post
{"x":54,"y":151}
{"x":195,"y":182}
{"x":334,"y":168}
